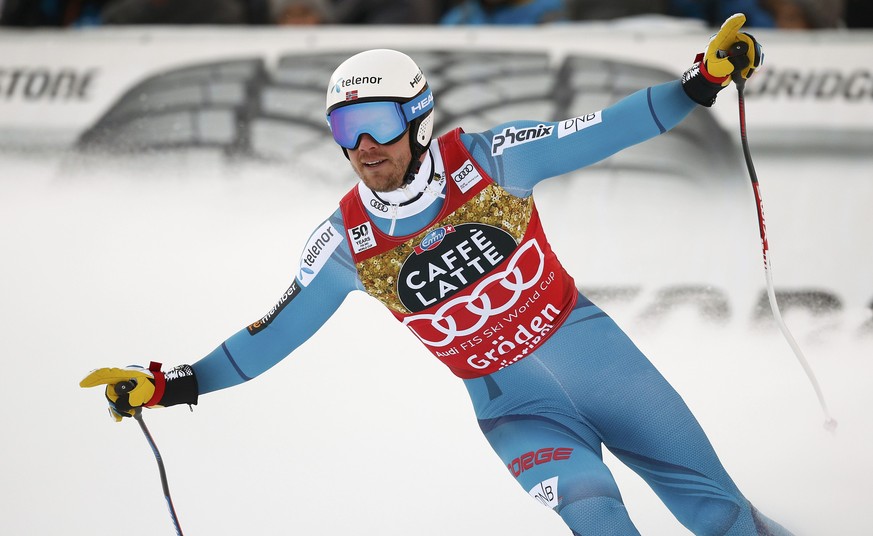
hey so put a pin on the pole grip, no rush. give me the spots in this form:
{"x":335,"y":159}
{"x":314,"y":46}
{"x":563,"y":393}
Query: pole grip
{"x":736,"y":54}
{"x":125,"y":387}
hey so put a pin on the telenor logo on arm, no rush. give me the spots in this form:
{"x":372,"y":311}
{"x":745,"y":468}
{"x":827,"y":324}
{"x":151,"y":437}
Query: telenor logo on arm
{"x":321,"y":244}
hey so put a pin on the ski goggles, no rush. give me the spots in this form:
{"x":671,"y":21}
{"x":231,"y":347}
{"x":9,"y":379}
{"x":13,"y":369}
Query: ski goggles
{"x":385,"y":121}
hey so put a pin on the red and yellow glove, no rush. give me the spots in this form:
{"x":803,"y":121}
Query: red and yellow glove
{"x":713,"y":70}
{"x":140,"y":387}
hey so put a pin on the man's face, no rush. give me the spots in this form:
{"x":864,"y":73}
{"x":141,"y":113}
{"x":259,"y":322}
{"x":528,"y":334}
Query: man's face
{"x":381,"y":167}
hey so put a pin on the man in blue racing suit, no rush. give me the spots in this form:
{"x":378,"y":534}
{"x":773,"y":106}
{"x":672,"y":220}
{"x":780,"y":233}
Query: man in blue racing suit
{"x":445,"y":233}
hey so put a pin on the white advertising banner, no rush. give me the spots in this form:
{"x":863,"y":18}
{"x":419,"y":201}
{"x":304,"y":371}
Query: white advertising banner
{"x":56,"y":85}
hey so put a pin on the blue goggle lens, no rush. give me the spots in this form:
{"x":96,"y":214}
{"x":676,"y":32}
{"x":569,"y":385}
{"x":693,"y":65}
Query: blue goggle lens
{"x":383,"y":120}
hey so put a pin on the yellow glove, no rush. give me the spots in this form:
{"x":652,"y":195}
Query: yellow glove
{"x":131,"y":388}
{"x":731,"y":54}
{"x":126,"y":400}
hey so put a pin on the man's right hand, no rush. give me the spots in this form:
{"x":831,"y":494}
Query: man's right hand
{"x":131,"y":388}
{"x":140,"y":384}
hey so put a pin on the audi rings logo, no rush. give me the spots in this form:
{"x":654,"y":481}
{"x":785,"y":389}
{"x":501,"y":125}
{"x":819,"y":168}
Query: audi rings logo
{"x":494,"y":295}
{"x":462,"y":173}
{"x":466,"y":176}
{"x":378,"y":205}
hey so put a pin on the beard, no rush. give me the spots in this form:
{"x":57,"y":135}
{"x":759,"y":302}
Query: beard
{"x":383,"y":180}
{"x":381,"y":173}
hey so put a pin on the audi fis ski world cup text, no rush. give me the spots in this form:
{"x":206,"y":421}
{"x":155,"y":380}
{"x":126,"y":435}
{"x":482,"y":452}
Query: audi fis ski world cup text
{"x":522,"y":342}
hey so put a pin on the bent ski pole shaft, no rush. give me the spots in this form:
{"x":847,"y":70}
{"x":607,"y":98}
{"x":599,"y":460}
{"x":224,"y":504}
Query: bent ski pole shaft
{"x":123,"y":387}
{"x":740,"y":49}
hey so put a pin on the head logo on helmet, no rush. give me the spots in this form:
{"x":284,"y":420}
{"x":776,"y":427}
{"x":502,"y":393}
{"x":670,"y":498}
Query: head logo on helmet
{"x":381,"y":75}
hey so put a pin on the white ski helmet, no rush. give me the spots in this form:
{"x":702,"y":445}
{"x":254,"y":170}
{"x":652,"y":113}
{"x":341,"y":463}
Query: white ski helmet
{"x":380,"y":76}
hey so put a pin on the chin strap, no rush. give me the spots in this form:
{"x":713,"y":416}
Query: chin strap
{"x":412,"y":171}
{"x":416,"y":150}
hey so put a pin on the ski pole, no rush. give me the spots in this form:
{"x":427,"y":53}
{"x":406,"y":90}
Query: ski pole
{"x":125,"y":387}
{"x":740,"y":49}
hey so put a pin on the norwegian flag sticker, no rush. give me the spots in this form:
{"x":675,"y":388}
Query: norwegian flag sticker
{"x":351,"y":95}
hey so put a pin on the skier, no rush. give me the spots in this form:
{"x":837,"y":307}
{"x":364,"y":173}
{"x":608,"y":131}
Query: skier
{"x":447,"y":236}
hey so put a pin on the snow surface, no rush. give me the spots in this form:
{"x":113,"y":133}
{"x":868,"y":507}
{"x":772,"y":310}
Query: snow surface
{"x":360,"y":431}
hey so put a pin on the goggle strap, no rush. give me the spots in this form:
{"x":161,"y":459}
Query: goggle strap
{"x":418,"y":106}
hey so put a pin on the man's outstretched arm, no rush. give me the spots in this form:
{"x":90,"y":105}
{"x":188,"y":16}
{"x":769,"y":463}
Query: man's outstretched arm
{"x":324,"y":278}
{"x":520,"y":154}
